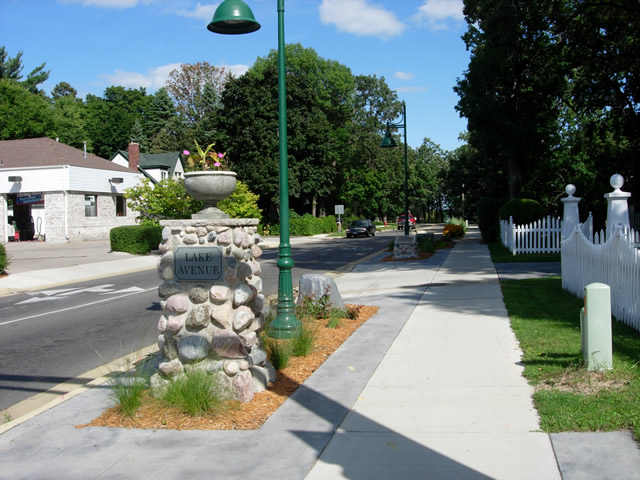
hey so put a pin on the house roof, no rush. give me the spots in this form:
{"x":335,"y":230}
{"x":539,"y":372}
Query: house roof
{"x":154,"y":160}
{"x":45,"y":152}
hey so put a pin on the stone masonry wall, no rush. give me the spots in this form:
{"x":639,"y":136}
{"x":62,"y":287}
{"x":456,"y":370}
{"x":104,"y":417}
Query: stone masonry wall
{"x":213,"y":325}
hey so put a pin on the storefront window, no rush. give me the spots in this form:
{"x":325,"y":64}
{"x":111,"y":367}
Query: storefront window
{"x":90,"y":205}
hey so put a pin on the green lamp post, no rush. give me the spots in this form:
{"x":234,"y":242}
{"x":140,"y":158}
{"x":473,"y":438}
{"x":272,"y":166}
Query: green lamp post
{"x":235,"y":17}
{"x":387,"y":142}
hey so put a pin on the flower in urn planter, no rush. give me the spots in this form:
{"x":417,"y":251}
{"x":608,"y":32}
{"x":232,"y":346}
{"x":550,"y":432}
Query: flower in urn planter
{"x":207,"y":159}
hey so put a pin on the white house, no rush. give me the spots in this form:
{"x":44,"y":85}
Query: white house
{"x":52,"y":191}
{"x":155,"y":166}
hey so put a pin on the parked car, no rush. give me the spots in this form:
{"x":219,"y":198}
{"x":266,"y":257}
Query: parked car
{"x":361,"y":228}
{"x":412,"y":222}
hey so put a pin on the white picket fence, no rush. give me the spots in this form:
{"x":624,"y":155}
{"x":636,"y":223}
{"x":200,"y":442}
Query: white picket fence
{"x":615,"y":262}
{"x":542,"y":236}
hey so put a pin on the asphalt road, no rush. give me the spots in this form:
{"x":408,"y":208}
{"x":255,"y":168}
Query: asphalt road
{"x":52,"y":336}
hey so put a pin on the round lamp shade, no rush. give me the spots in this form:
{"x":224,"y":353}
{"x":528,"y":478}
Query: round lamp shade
{"x":233,"y":17}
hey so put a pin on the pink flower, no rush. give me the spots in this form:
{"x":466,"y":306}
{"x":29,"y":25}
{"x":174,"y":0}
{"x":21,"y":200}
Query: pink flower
{"x":217,"y":164}
{"x":221,"y":155}
{"x":186,"y":152}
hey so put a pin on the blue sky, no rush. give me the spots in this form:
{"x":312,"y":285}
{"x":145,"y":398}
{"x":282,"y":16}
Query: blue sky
{"x":93,"y":44}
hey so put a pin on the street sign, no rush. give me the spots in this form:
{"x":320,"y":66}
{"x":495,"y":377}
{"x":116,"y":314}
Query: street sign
{"x":339,"y":209}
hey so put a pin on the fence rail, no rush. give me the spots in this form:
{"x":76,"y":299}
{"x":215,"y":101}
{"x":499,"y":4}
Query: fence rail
{"x":614,"y":261}
{"x":542,"y":236}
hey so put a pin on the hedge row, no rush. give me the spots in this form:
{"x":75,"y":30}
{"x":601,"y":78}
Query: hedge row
{"x":135,"y":239}
{"x":305,"y":225}
{"x":4,"y":259}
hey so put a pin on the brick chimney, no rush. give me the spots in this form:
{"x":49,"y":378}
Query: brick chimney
{"x":134,"y":156}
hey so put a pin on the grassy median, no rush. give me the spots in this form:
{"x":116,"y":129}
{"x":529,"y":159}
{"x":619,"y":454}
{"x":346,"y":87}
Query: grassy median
{"x":546,"y":320}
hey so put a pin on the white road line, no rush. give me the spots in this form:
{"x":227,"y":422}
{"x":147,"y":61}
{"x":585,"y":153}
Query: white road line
{"x":76,"y":307}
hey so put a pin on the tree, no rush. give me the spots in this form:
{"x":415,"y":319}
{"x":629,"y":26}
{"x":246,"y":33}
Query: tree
{"x":23,"y":114}
{"x":187,"y":87}
{"x":110,"y":119}
{"x":510,"y":92}
{"x":70,"y":116}
{"x":11,"y":68}
{"x":63,"y":89}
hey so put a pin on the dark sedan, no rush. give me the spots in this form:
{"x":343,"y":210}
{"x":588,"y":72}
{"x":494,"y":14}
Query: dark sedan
{"x":361,"y":228}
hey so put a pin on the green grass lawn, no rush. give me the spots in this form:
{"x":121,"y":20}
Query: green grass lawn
{"x":546,"y":321}
{"x":500,"y":254}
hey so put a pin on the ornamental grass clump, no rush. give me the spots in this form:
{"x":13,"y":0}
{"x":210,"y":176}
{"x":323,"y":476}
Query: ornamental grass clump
{"x":130,"y":388}
{"x":302,"y":344}
{"x":196,"y":392}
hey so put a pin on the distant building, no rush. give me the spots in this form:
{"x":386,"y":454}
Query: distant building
{"x":52,"y":191}
{"x":155,"y":166}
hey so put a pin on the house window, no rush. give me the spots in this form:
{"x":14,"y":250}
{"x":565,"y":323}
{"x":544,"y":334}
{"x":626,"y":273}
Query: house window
{"x":90,"y":205}
{"x":163,"y":174}
{"x":121,"y":206}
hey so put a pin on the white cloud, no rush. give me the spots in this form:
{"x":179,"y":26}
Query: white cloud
{"x":237,"y":70}
{"x":403,"y":75}
{"x":360,"y":18}
{"x":436,"y":13}
{"x":154,"y":79}
{"x":108,"y":3}
{"x":200,"y":12}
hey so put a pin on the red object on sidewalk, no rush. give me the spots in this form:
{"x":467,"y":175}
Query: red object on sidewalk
{"x":17,"y":236}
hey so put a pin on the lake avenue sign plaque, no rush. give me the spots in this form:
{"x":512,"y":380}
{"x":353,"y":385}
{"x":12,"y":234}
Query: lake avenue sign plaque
{"x":197,"y":263}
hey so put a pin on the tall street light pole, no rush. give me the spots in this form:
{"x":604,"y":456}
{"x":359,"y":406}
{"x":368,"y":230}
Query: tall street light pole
{"x":387,"y":142}
{"x":235,"y":17}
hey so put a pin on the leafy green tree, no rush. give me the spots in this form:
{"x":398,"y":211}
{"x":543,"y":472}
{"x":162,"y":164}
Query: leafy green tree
{"x":70,"y":116}
{"x":63,"y":89}
{"x":11,"y":68}
{"x":110,"y":119}
{"x":510,"y":92}
{"x":23,"y":114}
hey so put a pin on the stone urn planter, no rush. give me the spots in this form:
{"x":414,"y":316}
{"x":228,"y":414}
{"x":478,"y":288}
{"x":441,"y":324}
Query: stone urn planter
{"x":210,"y":186}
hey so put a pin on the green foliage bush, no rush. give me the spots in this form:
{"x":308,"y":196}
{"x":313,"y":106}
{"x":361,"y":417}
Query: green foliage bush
{"x":304,"y":225}
{"x":135,"y":239}
{"x":487,"y":210}
{"x":4,"y":259}
{"x":523,"y":211}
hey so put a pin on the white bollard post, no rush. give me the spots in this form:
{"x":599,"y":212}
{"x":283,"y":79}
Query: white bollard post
{"x":595,"y":326}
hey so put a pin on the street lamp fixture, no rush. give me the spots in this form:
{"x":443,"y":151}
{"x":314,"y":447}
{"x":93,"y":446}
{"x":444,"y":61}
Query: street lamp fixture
{"x":235,"y":17}
{"x":389,"y":142}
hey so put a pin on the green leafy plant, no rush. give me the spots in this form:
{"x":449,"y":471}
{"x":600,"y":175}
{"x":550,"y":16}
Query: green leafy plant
{"x":312,"y":308}
{"x":196,"y":392}
{"x":207,"y":159}
{"x":4,"y":258}
{"x":523,"y":211}
{"x":426,"y":243}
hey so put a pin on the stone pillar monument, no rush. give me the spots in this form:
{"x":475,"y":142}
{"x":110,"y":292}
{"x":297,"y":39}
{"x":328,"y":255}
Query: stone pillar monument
{"x":570,"y":215}
{"x":212,"y":301}
{"x":617,"y":207}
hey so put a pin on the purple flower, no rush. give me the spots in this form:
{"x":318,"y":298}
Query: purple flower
{"x":186,"y":152}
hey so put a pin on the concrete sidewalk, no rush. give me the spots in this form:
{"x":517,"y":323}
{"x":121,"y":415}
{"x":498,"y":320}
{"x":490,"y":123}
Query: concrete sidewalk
{"x":429,"y":388}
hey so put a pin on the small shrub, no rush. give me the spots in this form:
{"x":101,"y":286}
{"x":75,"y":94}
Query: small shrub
{"x":135,"y":239}
{"x":4,"y":258}
{"x":426,"y":243}
{"x":312,"y":308}
{"x":279,"y":352}
{"x":335,"y":317}
{"x":523,"y":210}
{"x":487,"y":210}
{"x":451,"y":231}
{"x":195,"y":392}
